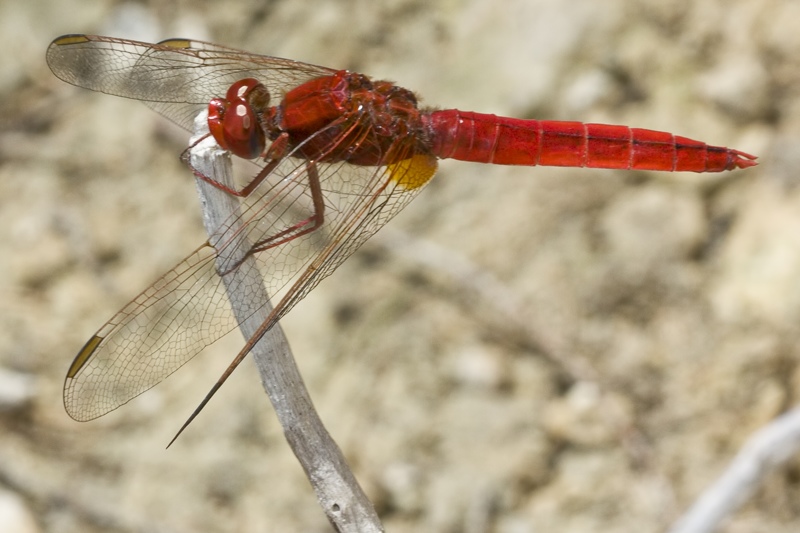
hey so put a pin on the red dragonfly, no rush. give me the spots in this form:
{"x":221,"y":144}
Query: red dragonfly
{"x":339,"y":154}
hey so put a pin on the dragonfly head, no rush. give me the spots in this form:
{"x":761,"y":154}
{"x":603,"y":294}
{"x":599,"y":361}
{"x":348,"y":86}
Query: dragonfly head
{"x":234,"y":120}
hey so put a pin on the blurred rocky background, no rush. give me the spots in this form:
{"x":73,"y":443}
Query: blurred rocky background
{"x":521,"y":350}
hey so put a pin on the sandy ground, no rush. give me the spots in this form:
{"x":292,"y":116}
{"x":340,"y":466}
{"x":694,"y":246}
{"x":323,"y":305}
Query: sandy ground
{"x":636,"y":329}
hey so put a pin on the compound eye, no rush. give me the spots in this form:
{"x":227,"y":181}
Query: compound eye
{"x":234,"y":123}
{"x":216,"y":118}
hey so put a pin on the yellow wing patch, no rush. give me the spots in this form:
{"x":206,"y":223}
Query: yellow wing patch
{"x":414,"y":172}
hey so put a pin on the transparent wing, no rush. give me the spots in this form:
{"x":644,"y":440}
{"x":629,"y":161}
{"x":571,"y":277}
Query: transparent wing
{"x":188,"y":308}
{"x":177,"y":77}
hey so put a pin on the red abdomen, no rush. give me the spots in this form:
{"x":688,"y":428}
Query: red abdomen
{"x":485,"y":138}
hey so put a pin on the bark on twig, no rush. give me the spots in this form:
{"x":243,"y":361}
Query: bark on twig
{"x":343,"y":501}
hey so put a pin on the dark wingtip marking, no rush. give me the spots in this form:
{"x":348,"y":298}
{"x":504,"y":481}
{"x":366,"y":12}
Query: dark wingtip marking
{"x":84,"y":355}
{"x":177,"y":43}
{"x":73,"y":38}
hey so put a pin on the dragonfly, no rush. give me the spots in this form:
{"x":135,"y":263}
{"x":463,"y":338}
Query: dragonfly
{"x":336,"y":154}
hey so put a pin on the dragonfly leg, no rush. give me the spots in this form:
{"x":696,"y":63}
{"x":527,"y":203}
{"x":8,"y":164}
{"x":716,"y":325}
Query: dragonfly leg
{"x":274,"y":155}
{"x":294,"y":231}
{"x":305,"y":226}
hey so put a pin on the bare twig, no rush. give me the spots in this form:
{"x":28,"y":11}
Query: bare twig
{"x":767,"y":449}
{"x":344,"y":503}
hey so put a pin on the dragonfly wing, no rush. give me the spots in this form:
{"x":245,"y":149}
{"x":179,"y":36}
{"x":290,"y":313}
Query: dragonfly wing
{"x":150,"y":338}
{"x":359,"y":200}
{"x":177,"y":77}
{"x":188,"y":308}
